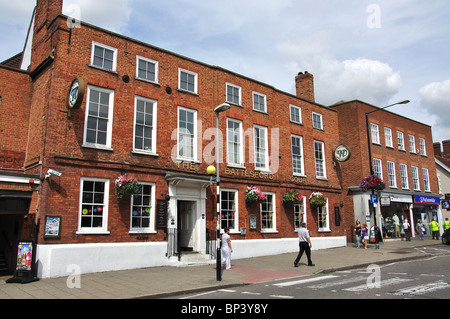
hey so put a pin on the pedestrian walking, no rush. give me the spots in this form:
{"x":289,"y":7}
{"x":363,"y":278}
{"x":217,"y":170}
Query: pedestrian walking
{"x":365,"y":235}
{"x":420,"y":227}
{"x":358,"y":233}
{"x":446,"y":224}
{"x":435,"y":228}
{"x":378,"y":236}
{"x":407,"y":229}
{"x":226,"y":249}
{"x":305,"y":245}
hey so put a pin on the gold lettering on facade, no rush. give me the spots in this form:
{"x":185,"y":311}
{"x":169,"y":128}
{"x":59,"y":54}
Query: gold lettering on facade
{"x":187,"y":166}
{"x":247,"y":173}
{"x":298,"y":179}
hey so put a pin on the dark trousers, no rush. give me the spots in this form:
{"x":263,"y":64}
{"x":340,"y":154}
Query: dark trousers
{"x":304,"y":247}
{"x":408,"y":234}
{"x":435,"y":234}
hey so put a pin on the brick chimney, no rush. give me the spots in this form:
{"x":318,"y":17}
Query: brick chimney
{"x":46,"y":11}
{"x":304,"y":84}
{"x":437,"y":149}
{"x":446,"y":147}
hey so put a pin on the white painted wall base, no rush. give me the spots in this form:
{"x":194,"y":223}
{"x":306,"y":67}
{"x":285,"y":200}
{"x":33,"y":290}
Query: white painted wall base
{"x":57,"y":260}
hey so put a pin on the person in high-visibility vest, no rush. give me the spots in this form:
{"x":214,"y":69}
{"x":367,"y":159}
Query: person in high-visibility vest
{"x":446,"y":224}
{"x":435,"y":228}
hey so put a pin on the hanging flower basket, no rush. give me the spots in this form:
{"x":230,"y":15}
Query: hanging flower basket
{"x":372,"y":182}
{"x":316,"y":199}
{"x":253,"y":194}
{"x":292,"y":197}
{"x":126,"y":186}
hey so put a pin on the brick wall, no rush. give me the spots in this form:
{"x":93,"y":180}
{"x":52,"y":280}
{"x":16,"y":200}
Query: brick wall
{"x":62,"y":136}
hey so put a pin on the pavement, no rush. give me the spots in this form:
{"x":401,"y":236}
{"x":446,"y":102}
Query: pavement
{"x":166,"y":282}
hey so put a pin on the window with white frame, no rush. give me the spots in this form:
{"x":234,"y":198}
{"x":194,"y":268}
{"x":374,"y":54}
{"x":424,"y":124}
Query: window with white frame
{"x":388,"y":137}
{"x":98,"y":118}
{"x":145,"y":111}
{"x":234,"y":94}
{"x":146,"y":69}
{"x":400,"y":141}
{"x":415,"y":177}
{"x":259,"y":102}
{"x":426,"y":180}
{"x":103,"y":56}
{"x":423,"y":149}
{"x":296,"y":114}
{"x":187,"y":81}
{"x":323,"y":218}
{"x":187,"y":134}
{"x":412,"y":143}
{"x":268,"y":214}
{"x":319,"y":155}
{"x":377,"y":168}
{"x":404,"y":176}
{"x":261,"y":148}
{"x":235,"y":145}
{"x":143,"y":209}
{"x":317,"y":120}
{"x":297,"y":154}
{"x":375,"y":133}
{"x":391,"y":174}
{"x":300,"y":213}
{"x":93,"y":214}
{"x":229,"y":209}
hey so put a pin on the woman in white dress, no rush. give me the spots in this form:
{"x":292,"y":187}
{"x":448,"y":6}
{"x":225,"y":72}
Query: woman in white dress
{"x":226,"y":249}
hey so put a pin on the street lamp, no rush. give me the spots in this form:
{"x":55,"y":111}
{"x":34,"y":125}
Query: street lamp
{"x":369,"y":142}
{"x":210,"y":170}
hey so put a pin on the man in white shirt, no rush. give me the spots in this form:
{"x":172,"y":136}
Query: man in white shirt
{"x":305,"y":245}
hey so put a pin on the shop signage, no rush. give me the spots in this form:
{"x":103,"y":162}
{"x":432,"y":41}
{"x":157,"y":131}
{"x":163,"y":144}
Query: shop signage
{"x":385,"y":201}
{"x":247,"y":173}
{"x":161,"y":213}
{"x":427,"y":200}
{"x":342,"y":153}
{"x":298,"y":179}
{"x":25,"y":262}
{"x":446,"y":204}
{"x":11,"y":159}
{"x":401,"y":199}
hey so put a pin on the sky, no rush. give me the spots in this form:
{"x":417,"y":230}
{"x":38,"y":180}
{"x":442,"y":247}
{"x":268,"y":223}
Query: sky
{"x":380,"y":52}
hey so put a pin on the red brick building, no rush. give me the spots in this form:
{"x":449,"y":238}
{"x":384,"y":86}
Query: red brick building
{"x":88,"y":105}
{"x":402,"y":156}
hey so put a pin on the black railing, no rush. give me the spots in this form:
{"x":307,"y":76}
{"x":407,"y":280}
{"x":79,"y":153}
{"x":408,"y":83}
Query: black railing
{"x":211,"y":242}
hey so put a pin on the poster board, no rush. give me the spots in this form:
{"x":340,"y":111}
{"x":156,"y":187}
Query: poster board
{"x":52,"y":227}
{"x":25,"y":262}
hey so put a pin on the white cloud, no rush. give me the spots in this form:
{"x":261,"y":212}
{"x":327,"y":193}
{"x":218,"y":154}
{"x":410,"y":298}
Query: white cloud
{"x":112,"y":15}
{"x":435,"y":98}
{"x":368,"y":80}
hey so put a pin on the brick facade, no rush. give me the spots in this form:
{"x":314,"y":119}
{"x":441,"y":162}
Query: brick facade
{"x":55,"y":137}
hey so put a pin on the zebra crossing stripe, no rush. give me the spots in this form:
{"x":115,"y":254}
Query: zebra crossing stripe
{"x":383,"y":283}
{"x":338,"y":283}
{"x":302,"y":281}
{"x":422,"y":289}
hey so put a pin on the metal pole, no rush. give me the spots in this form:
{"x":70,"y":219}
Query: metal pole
{"x":218,"y":254}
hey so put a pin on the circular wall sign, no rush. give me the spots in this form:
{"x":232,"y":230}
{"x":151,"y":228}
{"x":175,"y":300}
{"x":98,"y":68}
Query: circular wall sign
{"x":76,"y":94}
{"x":342,"y":153}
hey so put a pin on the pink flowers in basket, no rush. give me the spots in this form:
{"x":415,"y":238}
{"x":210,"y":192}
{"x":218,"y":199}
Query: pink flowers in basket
{"x":126,"y":186}
{"x":372,"y":182}
{"x":253,"y":194}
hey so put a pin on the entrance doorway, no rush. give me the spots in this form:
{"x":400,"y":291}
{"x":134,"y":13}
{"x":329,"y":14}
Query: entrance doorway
{"x":186,"y":224}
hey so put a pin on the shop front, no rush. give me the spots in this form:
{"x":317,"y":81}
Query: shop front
{"x":396,"y":209}
{"x":425,"y":209}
